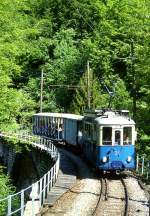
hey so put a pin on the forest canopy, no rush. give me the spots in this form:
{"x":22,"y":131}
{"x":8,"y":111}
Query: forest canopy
{"x":59,"y":37}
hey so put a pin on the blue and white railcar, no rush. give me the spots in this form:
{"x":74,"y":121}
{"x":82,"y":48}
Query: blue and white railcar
{"x":108,"y":139}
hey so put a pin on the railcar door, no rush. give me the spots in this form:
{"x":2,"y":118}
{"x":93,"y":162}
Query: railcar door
{"x":117,"y":137}
{"x":117,"y":150}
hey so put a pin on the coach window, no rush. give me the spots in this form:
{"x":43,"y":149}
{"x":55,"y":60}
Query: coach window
{"x":127,"y":135}
{"x":107,"y":136}
{"x":41,"y":124}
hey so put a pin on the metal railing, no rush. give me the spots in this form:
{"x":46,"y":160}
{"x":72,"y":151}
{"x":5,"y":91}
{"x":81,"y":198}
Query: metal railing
{"x":29,"y":200}
{"x":143,"y":166}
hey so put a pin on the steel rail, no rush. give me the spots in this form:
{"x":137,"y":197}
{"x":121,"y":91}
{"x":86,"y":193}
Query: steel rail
{"x":103,"y":194}
{"x":126,"y":210}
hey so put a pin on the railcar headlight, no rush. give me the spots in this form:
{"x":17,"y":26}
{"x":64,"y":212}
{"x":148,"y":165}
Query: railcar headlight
{"x":104,"y":159}
{"x":129,"y":158}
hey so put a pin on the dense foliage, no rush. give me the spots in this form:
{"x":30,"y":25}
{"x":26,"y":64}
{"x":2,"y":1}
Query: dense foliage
{"x":59,"y":37}
{"x":6,"y":188}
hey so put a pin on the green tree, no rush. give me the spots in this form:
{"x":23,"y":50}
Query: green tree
{"x":6,"y":188}
{"x":59,"y":37}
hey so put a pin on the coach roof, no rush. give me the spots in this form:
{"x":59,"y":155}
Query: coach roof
{"x":59,"y":115}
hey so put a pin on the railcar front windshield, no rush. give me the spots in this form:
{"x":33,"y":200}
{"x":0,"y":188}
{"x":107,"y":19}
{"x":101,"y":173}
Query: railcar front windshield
{"x":107,"y":136}
{"x":117,"y":135}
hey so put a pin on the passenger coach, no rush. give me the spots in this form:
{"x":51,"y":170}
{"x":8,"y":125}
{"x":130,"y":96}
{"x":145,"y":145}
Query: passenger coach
{"x":58,"y":126}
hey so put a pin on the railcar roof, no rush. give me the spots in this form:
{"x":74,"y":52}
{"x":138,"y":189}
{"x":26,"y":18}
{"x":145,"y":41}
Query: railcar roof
{"x":60,"y":115}
{"x":111,"y":118}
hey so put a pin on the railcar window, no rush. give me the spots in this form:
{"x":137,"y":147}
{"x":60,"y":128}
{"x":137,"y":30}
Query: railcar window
{"x":88,"y":131}
{"x":107,"y":136}
{"x":127,"y":135}
{"x":94,"y":132}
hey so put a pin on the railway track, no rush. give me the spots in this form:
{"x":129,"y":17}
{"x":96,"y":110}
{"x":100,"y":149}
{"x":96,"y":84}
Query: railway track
{"x":94,"y":195}
{"x":113,"y":199}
